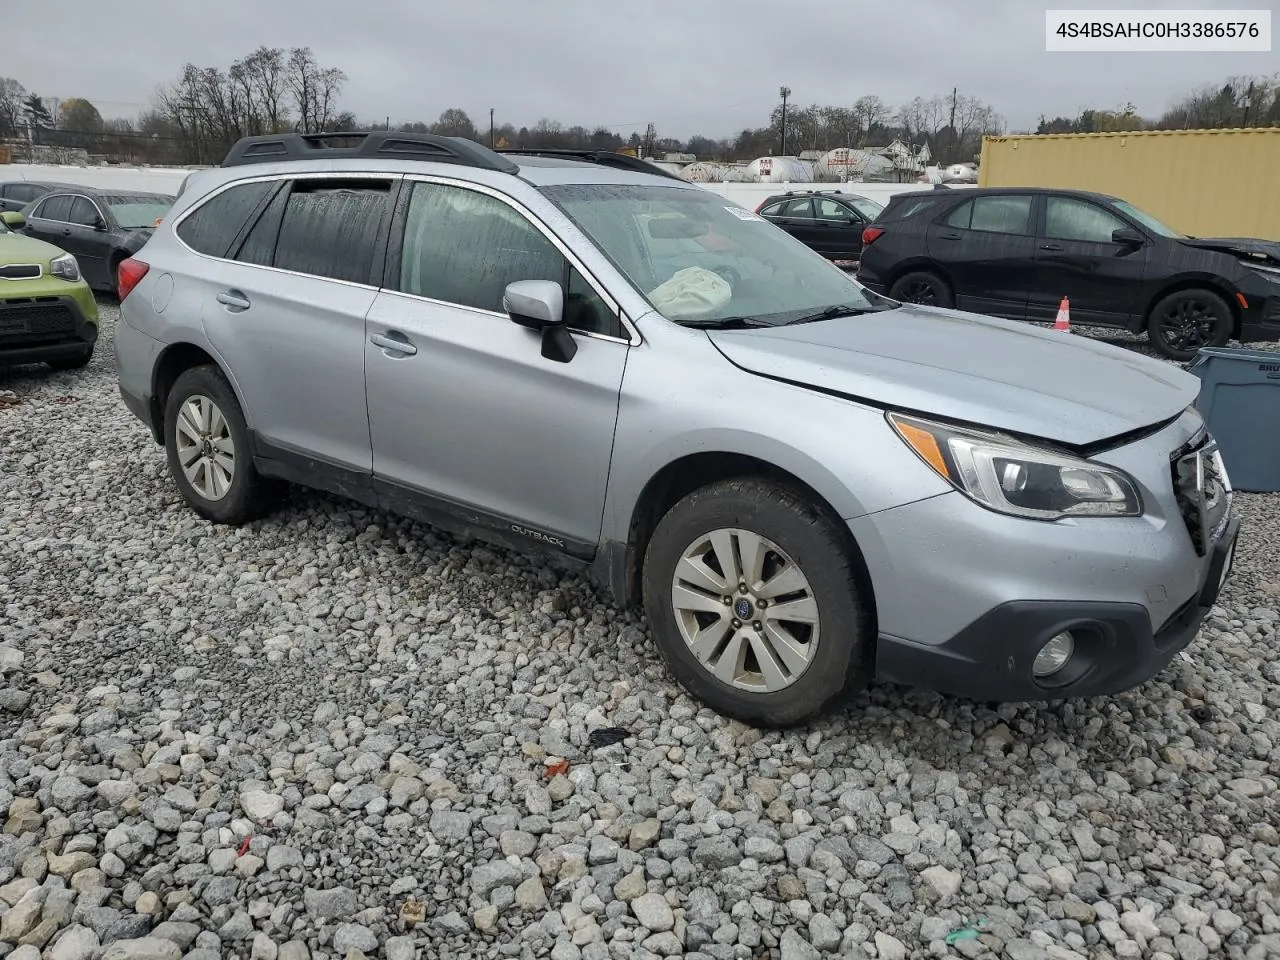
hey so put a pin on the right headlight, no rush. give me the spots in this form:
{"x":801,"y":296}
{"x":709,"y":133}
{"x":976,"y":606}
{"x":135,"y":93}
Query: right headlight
{"x":65,"y":267}
{"x":1018,"y":479}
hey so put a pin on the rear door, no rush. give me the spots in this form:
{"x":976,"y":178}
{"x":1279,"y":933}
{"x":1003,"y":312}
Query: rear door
{"x":987,"y":248}
{"x":1076,"y":258}
{"x":48,"y":219}
{"x":286,"y":312}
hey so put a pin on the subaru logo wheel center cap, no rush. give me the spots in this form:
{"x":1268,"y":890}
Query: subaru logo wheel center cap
{"x":742,"y":608}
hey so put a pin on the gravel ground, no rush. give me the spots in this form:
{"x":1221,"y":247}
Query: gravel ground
{"x":335,"y":733}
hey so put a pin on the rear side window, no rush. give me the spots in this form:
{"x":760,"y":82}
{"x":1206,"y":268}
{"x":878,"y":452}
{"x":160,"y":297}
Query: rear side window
{"x":213,"y":226}
{"x":908,"y":207}
{"x":330,"y":228}
{"x":55,"y":208}
{"x":799,"y":209}
{"x":772,"y":210}
{"x":993,"y":215}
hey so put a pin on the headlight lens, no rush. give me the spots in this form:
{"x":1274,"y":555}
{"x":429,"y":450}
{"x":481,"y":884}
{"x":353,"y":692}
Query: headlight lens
{"x":65,"y":267}
{"x":1014,"y":478}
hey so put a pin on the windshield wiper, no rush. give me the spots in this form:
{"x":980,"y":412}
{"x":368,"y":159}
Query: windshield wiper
{"x":832,"y":312}
{"x":723,"y":323}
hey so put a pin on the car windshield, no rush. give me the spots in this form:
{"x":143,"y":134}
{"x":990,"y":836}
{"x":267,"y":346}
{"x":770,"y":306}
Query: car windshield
{"x":868,"y":208}
{"x":133,"y":214}
{"x":1144,"y":218}
{"x":699,"y":260}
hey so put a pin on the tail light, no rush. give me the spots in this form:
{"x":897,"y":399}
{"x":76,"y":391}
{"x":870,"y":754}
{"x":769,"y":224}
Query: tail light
{"x":128,"y":276}
{"x":871,"y":235}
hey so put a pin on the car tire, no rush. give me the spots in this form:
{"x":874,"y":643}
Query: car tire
{"x":1186,"y":320}
{"x":923,"y":287}
{"x":809,"y":666}
{"x":72,"y":361}
{"x":204,"y":427}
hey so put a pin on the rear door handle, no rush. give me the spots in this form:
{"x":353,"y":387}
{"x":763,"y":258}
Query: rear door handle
{"x":393,"y":344}
{"x":1051,"y":246}
{"x":949,"y":236}
{"x":234,"y":299}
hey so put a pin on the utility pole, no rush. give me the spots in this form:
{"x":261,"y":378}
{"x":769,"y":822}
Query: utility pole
{"x":785,"y":92}
{"x":952,"y":124}
{"x":491,"y":128}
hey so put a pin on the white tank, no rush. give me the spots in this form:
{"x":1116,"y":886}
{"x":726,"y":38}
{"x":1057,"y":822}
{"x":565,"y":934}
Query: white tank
{"x":781,"y":170}
{"x":708,"y":171}
{"x":849,"y":163}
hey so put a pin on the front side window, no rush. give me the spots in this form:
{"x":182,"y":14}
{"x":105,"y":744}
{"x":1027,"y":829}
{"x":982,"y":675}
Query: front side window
{"x":83,"y":212}
{"x":830,"y":210}
{"x":697,"y":258}
{"x":1066,"y":218}
{"x":998,"y":214}
{"x":55,"y":208}
{"x":330,"y":228}
{"x":462,"y":246}
{"x":211,"y":227}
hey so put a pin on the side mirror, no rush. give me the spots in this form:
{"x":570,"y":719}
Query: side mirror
{"x":100,"y":225}
{"x":1127,"y":236}
{"x":539,"y":305}
{"x":13,"y":219}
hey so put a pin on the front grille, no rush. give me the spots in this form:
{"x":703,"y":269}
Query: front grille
{"x":1203,"y":490}
{"x":21,"y":271}
{"x":35,"y":320}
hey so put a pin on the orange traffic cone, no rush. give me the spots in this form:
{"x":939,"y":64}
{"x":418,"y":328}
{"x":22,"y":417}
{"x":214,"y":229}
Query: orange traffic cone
{"x":1063,"y":323}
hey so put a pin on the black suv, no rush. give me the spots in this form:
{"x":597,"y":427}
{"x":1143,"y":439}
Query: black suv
{"x":1016,"y":252}
{"x":829,"y":221}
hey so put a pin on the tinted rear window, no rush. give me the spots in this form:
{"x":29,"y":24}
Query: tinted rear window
{"x":330,"y":228}
{"x":214,"y":225}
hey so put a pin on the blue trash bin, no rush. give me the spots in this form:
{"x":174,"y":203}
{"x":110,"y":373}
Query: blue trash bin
{"x":1240,"y":401}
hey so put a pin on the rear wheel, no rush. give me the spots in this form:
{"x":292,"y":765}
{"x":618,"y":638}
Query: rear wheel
{"x":923,"y":287}
{"x":207,"y":442}
{"x":1187,"y":320}
{"x":755,"y":602}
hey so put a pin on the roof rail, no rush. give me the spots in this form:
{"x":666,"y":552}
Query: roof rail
{"x":604,"y":158}
{"x":385,"y":144}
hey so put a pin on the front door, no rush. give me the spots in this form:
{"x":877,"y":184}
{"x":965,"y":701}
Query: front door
{"x":1077,"y":258}
{"x":839,"y":230}
{"x":87,"y":243}
{"x":467,"y":417}
{"x":286,"y":312}
{"x":987,"y":249}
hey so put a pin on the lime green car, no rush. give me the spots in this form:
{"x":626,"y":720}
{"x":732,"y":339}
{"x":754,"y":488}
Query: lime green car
{"x":47,"y":311}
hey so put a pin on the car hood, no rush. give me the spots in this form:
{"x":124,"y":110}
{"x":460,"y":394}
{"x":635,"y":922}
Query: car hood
{"x":980,"y":370}
{"x":19,"y":248}
{"x":1266,"y":252}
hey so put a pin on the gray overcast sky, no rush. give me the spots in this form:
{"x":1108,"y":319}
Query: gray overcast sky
{"x":690,"y":67}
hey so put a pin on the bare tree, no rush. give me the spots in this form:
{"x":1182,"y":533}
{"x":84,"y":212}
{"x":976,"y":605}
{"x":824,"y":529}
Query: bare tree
{"x":314,"y":89}
{"x":12,"y":95}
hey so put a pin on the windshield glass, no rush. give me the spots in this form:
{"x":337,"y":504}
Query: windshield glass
{"x":133,"y":214}
{"x":868,"y":208}
{"x":696,"y":258}
{"x":1144,"y":218}
{"x":4,"y":227}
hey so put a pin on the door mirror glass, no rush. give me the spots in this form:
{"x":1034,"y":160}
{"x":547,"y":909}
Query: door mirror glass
{"x":536,"y":304}
{"x":1127,"y":236}
{"x":99,"y":224}
{"x":13,"y":219}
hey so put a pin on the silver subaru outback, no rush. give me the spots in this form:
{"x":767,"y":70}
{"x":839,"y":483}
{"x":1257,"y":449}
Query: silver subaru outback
{"x":806,"y":485}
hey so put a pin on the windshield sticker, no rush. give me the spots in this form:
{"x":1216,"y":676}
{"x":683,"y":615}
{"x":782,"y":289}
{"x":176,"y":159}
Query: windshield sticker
{"x":743,"y":214}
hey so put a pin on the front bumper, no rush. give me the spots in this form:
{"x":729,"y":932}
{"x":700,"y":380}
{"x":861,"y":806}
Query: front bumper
{"x":1116,"y":648}
{"x":37,"y":329}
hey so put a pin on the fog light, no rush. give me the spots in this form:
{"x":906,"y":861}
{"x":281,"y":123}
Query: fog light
{"x":1053,"y":656}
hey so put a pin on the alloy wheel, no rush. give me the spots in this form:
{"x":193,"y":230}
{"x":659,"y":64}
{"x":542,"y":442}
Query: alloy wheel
{"x":920,"y":291}
{"x":206,"y":449}
{"x":746,"y":610}
{"x":1188,"y":324}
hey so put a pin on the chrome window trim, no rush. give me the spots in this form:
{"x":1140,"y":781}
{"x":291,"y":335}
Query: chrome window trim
{"x":633,"y":339}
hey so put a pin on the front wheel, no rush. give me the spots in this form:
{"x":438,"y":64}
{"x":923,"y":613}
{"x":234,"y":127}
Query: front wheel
{"x":207,"y":443}
{"x":1186,"y":320}
{"x":755,"y":602}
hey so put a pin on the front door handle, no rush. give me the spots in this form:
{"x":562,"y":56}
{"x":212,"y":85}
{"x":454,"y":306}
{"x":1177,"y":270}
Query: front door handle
{"x":949,"y":236}
{"x":1051,"y":246}
{"x":233,"y":299}
{"x":393,"y":344}
{"x":66,"y":232}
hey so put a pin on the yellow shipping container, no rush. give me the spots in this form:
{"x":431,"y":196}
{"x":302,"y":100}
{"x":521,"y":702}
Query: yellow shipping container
{"x":1205,"y":183}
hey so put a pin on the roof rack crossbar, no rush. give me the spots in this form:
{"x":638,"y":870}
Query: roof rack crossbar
{"x":386,"y":144}
{"x":605,"y":158}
